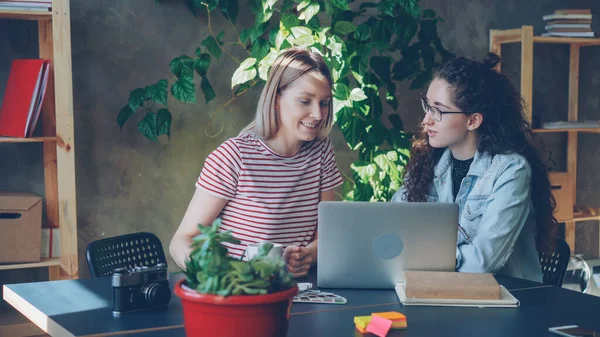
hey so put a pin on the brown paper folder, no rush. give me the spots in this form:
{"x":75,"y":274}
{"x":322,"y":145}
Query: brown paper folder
{"x":451,"y":285}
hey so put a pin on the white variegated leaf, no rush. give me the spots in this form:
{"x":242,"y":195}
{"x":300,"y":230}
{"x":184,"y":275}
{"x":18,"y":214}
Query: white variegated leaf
{"x":302,"y":5}
{"x":268,"y":4}
{"x":244,"y":73}
{"x":310,"y":11}
{"x":357,"y":95}
{"x":303,"y":41}
{"x":299,"y":31}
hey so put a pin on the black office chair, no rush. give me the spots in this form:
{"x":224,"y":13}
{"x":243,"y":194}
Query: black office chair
{"x":130,"y":250}
{"x":554,"y":265}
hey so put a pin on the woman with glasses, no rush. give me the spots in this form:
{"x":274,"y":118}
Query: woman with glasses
{"x":475,"y":149}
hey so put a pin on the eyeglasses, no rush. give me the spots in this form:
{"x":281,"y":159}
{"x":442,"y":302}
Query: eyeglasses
{"x":435,"y":112}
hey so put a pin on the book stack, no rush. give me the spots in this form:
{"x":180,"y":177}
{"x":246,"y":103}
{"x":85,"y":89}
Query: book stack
{"x":26,"y":5}
{"x":23,"y":97}
{"x":569,"y":22}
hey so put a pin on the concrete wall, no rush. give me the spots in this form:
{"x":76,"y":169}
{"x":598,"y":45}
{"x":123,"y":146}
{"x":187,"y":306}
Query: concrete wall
{"x":126,"y":183}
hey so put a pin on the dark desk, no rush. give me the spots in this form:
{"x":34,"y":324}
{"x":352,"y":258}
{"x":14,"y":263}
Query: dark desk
{"x":83,"y":308}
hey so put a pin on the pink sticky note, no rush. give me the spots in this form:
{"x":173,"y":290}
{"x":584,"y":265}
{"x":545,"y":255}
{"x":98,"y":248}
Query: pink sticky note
{"x":379,"y":326}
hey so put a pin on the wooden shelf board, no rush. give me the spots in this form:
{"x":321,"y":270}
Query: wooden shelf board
{"x":54,"y":261}
{"x":515,"y":36}
{"x":14,"y":324}
{"x":586,"y":218}
{"x":27,"y":140}
{"x":587,"y":41}
{"x":25,"y":15}
{"x":588,"y":130}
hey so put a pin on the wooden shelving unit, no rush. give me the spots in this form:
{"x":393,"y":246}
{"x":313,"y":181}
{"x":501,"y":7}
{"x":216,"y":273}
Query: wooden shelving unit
{"x":25,"y":15}
{"x":27,"y":140}
{"x":525,"y":37}
{"x":54,"y":30}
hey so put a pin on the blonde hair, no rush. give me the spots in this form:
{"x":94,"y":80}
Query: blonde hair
{"x":288,"y":67}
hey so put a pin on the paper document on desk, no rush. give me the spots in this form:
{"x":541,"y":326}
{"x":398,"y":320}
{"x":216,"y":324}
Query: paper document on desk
{"x":507,"y":300}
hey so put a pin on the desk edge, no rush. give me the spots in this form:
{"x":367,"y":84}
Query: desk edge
{"x":34,"y":314}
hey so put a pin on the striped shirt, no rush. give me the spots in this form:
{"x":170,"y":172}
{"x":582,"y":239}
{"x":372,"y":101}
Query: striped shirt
{"x":270,"y":197}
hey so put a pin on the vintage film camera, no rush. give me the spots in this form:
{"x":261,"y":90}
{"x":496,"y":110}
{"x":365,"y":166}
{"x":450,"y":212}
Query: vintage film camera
{"x":140,"y":288}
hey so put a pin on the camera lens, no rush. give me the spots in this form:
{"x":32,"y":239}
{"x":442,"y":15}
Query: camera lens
{"x":157,"y":294}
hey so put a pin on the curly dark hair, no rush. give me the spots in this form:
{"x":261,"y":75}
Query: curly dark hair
{"x":476,"y":86}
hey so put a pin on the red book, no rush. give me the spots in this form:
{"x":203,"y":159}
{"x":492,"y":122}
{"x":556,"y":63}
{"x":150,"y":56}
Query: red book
{"x":23,"y":96}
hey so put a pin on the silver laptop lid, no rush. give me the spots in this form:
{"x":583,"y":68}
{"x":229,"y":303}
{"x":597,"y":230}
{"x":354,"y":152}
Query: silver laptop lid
{"x":370,"y":244}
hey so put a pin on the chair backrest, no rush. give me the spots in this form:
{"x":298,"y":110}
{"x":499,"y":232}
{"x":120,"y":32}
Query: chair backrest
{"x":130,"y":250}
{"x":554,"y":265}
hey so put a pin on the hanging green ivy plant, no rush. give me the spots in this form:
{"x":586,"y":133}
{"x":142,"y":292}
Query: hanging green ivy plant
{"x":369,"y":47}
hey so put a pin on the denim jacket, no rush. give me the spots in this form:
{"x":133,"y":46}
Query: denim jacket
{"x":495,"y":211}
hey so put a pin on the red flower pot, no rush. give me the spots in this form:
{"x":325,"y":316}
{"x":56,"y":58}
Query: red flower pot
{"x":246,"y":315}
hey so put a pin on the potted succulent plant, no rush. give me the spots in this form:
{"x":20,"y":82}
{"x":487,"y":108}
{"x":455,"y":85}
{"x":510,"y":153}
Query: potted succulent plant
{"x":224,"y":296}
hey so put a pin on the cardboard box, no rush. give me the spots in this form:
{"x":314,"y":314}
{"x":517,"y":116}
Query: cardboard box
{"x":562,"y":189}
{"x":20,"y":227}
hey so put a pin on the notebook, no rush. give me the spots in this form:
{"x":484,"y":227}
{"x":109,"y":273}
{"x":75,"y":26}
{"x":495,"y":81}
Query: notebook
{"x":507,"y":300}
{"x":453,"y":289}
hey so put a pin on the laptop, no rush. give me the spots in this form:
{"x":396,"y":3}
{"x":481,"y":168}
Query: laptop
{"x":371,"y":244}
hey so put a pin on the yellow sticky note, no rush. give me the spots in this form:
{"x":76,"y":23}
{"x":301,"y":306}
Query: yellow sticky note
{"x":361,"y":330}
{"x":362,"y":321}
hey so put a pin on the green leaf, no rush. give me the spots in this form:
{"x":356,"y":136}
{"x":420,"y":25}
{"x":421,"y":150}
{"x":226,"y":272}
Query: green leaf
{"x":147,"y":126}
{"x":390,"y":95}
{"x":287,"y":5}
{"x":158,"y":92}
{"x":257,"y":32}
{"x":421,"y":80}
{"x":387,"y":7}
{"x":363,"y":32}
{"x":260,"y":49}
{"x":163,"y":122}
{"x":341,"y":91}
{"x":428,"y":56}
{"x":344,"y":27}
{"x":245,"y":35}
{"x":241,"y":88}
{"x":207,"y":89}
{"x":255,"y":6}
{"x":213,"y":48}
{"x":428,"y":14}
{"x":184,"y":89}
{"x":201,"y":64}
{"x":396,"y":121}
{"x":381,"y":67}
{"x":136,"y":98}
{"x":412,"y":7}
{"x":406,"y":28}
{"x":124,"y":115}
{"x":273,"y":35}
{"x":314,"y":23}
{"x":341,"y":4}
{"x":229,"y":8}
{"x":404,"y":69}
{"x":181,"y":65}
{"x":428,"y":31}
{"x":352,"y":128}
{"x":289,"y":20}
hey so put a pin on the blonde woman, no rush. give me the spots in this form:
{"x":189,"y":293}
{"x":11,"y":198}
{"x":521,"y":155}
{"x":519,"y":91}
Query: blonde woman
{"x":266,"y":183}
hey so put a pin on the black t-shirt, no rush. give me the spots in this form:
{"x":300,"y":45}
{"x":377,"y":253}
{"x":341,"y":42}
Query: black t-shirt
{"x":460,"y":168}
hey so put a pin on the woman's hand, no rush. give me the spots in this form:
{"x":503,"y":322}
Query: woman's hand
{"x":298,"y":260}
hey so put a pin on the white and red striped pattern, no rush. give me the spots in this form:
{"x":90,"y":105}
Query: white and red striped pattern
{"x":271,"y":197}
